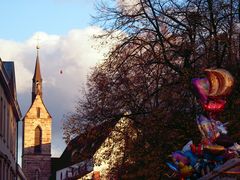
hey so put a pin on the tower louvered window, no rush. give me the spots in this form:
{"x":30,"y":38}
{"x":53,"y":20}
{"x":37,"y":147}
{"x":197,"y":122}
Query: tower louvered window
{"x":38,"y":112}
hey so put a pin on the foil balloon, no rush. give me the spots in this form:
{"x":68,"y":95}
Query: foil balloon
{"x":172,"y":167}
{"x":221,"y":127}
{"x":206,"y":141}
{"x":187,"y":147}
{"x":198,"y":150}
{"x":214,"y":149}
{"x":186,"y":171}
{"x":202,"y":87}
{"x":192,"y":157}
{"x":220,"y":82}
{"x":179,"y":157}
{"x":206,"y":127}
{"x":217,"y":105}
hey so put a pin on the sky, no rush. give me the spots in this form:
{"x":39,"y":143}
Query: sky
{"x":63,"y":30}
{"x":20,"y":19}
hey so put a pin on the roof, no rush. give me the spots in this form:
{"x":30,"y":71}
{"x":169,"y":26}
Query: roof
{"x":37,"y":73}
{"x":36,"y":99}
{"x":7,"y":80}
{"x":9,"y":67}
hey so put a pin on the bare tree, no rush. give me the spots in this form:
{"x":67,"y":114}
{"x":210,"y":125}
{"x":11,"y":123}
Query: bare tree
{"x":162,"y":45}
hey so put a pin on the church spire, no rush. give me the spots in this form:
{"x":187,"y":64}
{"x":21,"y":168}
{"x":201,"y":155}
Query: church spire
{"x":37,"y":78}
{"x":37,"y":74}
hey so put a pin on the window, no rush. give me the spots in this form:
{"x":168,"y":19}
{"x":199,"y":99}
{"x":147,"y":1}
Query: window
{"x":1,"y":116}
{"x":38,"y":112}
{"x":1,"y":169}
{"x":66,"y":174}
{"x":8,"y":126}
{"x":37,"y":174}
{"x":4,"y":122}
{"x":38,"y":140}
{"x":8,"y":171}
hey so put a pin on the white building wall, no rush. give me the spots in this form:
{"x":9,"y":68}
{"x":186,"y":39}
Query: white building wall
{"x":9,"y":115}
{"x":75,"y":170}
{"x":7,"y":138}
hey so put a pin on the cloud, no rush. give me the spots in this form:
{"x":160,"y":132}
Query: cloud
{"x":129,"y":7}
{"x":73,"y":53}
{"x":65,"y":62}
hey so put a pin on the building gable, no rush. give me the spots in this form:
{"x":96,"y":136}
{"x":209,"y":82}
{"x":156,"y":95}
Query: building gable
{"x":32,"y":112}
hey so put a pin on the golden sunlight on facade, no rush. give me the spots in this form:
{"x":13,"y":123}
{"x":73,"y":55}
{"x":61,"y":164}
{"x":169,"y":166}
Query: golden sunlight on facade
{"x":99,"y":153}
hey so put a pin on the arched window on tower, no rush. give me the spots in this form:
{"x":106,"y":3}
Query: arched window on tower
{"x":38,"y":140}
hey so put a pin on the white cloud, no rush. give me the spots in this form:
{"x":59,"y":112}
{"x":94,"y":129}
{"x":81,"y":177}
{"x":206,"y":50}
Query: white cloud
{"x":73,"y":54}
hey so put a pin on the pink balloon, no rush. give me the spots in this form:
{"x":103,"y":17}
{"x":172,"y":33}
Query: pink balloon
{"x":202,"y":87}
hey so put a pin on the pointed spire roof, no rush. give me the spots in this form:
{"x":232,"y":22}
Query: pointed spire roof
{"x":37,"y":73}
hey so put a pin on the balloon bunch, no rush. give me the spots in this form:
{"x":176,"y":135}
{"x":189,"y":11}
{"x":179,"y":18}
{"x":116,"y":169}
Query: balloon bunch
{"x":216,"y":147}
{"x":214,"y":89}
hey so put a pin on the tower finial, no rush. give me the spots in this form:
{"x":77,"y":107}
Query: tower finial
{"x":37,"y":46}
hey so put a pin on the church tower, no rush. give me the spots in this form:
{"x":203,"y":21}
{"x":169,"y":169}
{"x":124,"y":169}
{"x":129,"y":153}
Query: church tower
{"x":36,"y":153}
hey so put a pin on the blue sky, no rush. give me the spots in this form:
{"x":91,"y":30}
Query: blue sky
{"x":21,"y":18}
{"x":65,"y":32}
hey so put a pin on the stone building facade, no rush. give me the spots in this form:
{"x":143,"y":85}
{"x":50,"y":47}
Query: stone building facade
{"x":36,"y":157}
{"x":10,"y":114}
